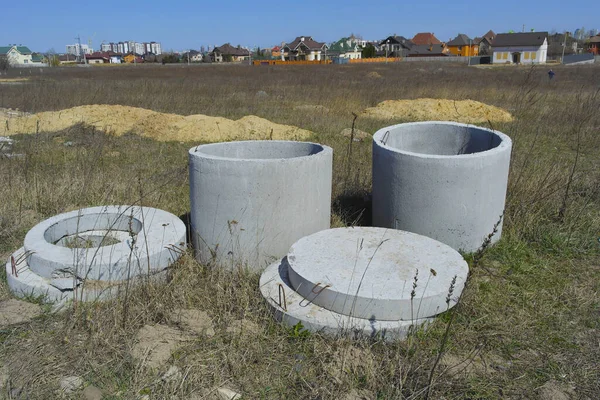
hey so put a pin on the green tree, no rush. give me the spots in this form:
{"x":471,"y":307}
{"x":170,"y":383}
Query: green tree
{"x":368,"y":51}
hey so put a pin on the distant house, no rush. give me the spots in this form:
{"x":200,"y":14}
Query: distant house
{"x":462,"y":45}
{"x":37,"y":58}
{"x":520,"y":48}
{"x":395,"y":46}
{"x":485,"y":43}
{"x":593,"y":45}
{"x":424,"y":38}
{"x":194,"y":56}
{"x":67,"y":58}
{"x":133,"y":59}
{"x":97,"y":57}
{"x":304,"y":48}
{"x":346,"y":47}
{"x":276,"y":52}
{"x":428,"y":50}
{"x":228,"y":53}
{"x":17,"y":55}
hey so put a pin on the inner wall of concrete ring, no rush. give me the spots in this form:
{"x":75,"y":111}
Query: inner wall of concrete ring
{"x":251,"y":200}
{"x":444,"y":180}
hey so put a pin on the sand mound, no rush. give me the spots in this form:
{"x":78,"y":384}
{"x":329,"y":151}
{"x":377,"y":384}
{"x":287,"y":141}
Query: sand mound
{"x":466,"y":111}
{"x":118,"y":120}
{"x":374,"y":74}
{"x":359,"y":135}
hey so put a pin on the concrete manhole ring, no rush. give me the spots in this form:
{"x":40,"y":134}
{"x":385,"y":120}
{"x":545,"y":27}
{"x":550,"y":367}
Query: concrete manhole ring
{"x":106,"y":245}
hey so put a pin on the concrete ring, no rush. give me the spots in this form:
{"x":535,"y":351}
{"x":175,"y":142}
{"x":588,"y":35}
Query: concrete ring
{"x":147,"y":240}
{"x":444,"y":180}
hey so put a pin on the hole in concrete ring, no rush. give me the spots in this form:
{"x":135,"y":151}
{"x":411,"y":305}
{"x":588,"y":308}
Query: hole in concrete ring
{"x":439,"y":138}
{"x":258,"y":150}
{"x":93,"y":230}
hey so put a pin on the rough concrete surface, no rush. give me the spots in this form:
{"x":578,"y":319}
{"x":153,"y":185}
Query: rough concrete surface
{"x":14,"y":312}
{"x":370,"y":273}
{"x":444,"y":180}
{"x":92,"y":250}
{"x":250,"y":201}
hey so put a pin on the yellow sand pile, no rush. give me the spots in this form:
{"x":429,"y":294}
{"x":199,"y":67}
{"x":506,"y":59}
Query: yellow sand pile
{"x":374,"y":74}
{"x":118,"y":120}
{"x":466,"y":111}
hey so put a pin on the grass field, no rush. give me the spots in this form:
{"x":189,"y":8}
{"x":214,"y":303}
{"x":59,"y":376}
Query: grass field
{"x":528,"y":325}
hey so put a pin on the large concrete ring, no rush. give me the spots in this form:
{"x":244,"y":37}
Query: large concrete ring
{"x":251,"y":200}
{"x":444,"y":180}
{"x":147,"y":240}
{"x":291,"y":308}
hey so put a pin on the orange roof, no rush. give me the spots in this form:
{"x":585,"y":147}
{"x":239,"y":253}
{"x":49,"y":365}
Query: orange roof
{"x":424,"y":38}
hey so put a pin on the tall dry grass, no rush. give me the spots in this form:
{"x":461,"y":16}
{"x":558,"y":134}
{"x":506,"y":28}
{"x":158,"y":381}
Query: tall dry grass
{"x":528,"y":316}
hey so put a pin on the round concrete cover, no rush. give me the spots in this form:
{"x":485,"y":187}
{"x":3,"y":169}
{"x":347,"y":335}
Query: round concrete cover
{"x":291,"y":308}
{"x":369,"y":273}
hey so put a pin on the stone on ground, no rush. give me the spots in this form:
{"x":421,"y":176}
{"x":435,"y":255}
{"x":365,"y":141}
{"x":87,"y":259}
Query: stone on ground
{"x":359,"y":135}
{"x":228,"y":394}
{"x":552,"y":390}
{"x":71,"y":384}
{"x":173,"y":374}
{"x":16,"y":312}
{"x":92,"y":393}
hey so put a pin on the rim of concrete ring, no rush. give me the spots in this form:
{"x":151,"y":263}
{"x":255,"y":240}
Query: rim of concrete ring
{"x":45,"y":258}
{"x":505,"y":143}
{"x":196,"y":151}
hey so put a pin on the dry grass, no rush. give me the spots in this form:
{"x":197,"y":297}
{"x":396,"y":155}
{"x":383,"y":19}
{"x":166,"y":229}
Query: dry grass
{"x":529,"y":316}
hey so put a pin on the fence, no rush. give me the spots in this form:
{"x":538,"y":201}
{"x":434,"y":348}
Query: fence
{"x":281,"y":62}
{"x":376,"y":60}
{"x":579,"y":59}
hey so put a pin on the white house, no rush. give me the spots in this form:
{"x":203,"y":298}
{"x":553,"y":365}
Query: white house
{"x":304,"y":48}
{"x":347,"y":47}
{"x":520,"y":48}
{"x":17,"y":55}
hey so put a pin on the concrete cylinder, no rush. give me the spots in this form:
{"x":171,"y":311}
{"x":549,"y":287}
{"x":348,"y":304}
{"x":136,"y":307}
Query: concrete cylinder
{"x":444,"y":180}
{"x":251,"y":200}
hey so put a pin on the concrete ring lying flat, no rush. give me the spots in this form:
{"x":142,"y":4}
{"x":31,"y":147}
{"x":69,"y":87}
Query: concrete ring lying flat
{"x":146,"y":240}
{"x":25,"y":283}
{"x":377,"y":273}
{"x":291,"y":308}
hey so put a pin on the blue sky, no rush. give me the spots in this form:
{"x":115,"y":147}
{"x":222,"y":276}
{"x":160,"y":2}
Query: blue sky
{"x":179,"y":25}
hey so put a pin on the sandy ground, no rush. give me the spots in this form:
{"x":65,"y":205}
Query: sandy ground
{"x":119,"y":120}
{"x":466,"y":111}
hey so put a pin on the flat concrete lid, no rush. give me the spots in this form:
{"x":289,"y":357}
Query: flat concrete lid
{"x":370,"y":272}
{"x":290,"y":308}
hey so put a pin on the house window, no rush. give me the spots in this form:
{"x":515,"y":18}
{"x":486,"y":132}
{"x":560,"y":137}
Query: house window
{"x":25,"y":61}
{"x":526,"y":55}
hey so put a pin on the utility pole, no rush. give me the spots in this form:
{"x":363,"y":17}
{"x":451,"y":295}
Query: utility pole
{"x":562,"y":58}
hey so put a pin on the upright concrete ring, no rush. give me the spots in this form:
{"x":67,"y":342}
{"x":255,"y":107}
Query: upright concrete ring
{"x":444,"y":180}
{"x":251,"y":200}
